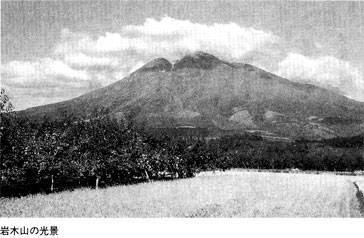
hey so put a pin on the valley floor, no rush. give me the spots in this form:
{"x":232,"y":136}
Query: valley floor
{"x":234,"y":193}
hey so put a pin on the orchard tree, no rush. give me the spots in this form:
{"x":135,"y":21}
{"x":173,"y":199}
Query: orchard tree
{"x":5,"y":110}
{"x":5,"y":104}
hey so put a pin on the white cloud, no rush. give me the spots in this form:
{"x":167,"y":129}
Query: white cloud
{"x":171,"y":37}
{"x":42,"y":81}
{"x":231,"y":38}
{"x":46,"y":71}
{"x":325,"y":71}
{"x":82,"y":60}
{"x":111,"y":42}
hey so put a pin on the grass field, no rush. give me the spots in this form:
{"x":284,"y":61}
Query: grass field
{"x":234,"y":193}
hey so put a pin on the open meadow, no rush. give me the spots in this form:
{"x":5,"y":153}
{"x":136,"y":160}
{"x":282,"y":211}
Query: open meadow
{"x":234,"y":193}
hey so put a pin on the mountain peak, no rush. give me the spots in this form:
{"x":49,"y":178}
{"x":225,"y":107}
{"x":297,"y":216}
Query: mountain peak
{"x":201,"y":54}
{"x":199,"y":60}
{"x":156,"y":65}
{"x":225,"y":97}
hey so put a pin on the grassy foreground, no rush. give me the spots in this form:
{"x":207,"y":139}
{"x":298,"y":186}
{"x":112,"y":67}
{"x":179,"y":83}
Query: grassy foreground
{"x":233,"y":193}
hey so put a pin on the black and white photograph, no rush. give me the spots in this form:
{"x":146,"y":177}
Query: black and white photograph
{"x":181,"y":109}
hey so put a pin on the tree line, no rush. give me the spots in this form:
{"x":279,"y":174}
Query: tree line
{"x":103,"y":151}
{"x":99,"y":152}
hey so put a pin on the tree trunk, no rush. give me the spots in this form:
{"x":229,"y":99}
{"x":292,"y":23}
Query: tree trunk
{"x":146,"y":175}
{"x":52,"y":184}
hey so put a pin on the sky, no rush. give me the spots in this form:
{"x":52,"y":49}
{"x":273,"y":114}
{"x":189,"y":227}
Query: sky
{"x":53,"y":51}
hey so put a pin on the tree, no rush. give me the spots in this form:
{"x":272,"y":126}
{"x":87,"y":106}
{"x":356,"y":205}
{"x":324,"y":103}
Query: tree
{"x":5,"y":108}
{"x":5,"y":104}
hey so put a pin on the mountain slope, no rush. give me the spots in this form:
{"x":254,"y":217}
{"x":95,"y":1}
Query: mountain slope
{"x":202,"y":91}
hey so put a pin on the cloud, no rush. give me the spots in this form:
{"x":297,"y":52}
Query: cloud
{"x":42,"y":81}
{"x":80,"y":42}
{"x":43,"y":71}
{"x":84,"y":61}
{"x":171,"y":37}
{"x":324,"y":71}
{"x":225,"y":40}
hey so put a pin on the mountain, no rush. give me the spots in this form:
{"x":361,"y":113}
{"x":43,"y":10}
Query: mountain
{"x":203,"y":91}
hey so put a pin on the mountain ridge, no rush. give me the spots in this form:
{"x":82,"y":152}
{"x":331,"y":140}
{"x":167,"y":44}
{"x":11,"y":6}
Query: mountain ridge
{"x":202,"y":90}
